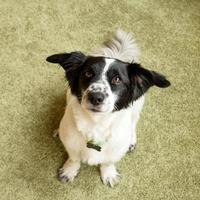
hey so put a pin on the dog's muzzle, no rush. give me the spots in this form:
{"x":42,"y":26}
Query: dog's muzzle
{"x":98,"y":98}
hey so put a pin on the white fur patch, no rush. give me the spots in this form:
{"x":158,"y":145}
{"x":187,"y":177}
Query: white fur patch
{"x":121,"y":46}
{"x":109,"y":175}
{"x":108,"y":62}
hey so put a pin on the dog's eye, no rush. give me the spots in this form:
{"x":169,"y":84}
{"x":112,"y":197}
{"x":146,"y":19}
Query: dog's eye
{"x":88,"y":74}
{"x":116,"y":80}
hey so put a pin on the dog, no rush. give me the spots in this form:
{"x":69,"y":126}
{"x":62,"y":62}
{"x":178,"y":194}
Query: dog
{"x":104,"y":101}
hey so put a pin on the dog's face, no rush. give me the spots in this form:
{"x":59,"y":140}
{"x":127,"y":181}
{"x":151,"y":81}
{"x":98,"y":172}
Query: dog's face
{"x":104,"y":85}
{"x":103,"y":82}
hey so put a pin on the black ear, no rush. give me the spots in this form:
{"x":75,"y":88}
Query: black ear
{"x":68,"y":60}
{"x":142,"y":79}
{"x":160,"y":80}
{"x":71,"y":63}
{"x":58,"y":58}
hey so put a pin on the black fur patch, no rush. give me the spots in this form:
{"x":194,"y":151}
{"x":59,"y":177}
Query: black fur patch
{"x":72,"y":63}
{"x":95,"y":66}
{"x":142,"y":79}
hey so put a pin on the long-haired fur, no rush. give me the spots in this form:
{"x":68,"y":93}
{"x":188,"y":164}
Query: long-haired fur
{"x":120,"y":46}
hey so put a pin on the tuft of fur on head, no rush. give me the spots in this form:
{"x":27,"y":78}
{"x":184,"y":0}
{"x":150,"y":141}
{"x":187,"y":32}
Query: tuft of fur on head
{"x":121,"y":46}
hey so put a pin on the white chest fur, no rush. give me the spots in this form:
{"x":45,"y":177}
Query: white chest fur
{"x":115,"y":130}
{"x":96,"y":127}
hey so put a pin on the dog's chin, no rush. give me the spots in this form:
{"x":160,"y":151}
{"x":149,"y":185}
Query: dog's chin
{"x":97,"y":109}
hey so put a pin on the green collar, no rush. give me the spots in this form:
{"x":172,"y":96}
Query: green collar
{"x":94,"y":145}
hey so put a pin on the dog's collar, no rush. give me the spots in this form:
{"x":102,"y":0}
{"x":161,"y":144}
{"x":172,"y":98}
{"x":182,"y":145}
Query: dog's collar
{"x":94,"y":145}
{"x":97,"y":145}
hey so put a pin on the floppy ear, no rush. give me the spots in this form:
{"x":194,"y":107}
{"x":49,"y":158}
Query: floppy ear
{"x":142,"y":79}
{"x":68,"y":61}
{"x":71,"y":63}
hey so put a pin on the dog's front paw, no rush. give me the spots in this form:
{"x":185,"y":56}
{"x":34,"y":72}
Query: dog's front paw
{"x":69,"y":171}
{"x":109,"y":175}
{"x":62,"y":176}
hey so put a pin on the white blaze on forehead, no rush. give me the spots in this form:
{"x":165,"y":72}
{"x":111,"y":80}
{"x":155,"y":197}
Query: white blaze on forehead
{"x":102,"y":85}
{"x":108,"y":62}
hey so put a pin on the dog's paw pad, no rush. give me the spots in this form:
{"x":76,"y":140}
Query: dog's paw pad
{"x":132,"y":147}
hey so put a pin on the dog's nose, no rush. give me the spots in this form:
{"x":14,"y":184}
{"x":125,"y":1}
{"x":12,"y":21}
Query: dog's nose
{"x":96,"y":98}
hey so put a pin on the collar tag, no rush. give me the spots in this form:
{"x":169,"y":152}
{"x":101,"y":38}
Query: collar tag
{"x":92,"y":145}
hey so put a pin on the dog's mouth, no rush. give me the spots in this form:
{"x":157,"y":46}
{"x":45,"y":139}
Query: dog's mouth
{"x":97,"y":109}
{"x":100,"y":108}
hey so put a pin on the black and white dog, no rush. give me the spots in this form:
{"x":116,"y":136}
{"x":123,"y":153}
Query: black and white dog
{"x":104,"y":101}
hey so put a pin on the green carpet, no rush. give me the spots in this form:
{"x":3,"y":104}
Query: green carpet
{"x":166,"y":164}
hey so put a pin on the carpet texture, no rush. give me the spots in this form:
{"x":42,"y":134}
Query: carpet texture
{"x":166,"y":163}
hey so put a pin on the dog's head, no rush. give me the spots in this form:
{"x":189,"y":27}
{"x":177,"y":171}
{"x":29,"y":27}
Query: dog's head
{"x":105,"y":85}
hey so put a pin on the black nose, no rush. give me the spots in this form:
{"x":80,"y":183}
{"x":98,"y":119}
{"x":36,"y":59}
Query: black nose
{"x":96,"y":98}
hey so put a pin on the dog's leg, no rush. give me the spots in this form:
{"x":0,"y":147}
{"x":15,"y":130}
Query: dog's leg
{"x":137,"y":108}
{"x":109,"y":174}
{"x":134,"y":135}
{"x":133,"y":138}
{"x":69,"y":171}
